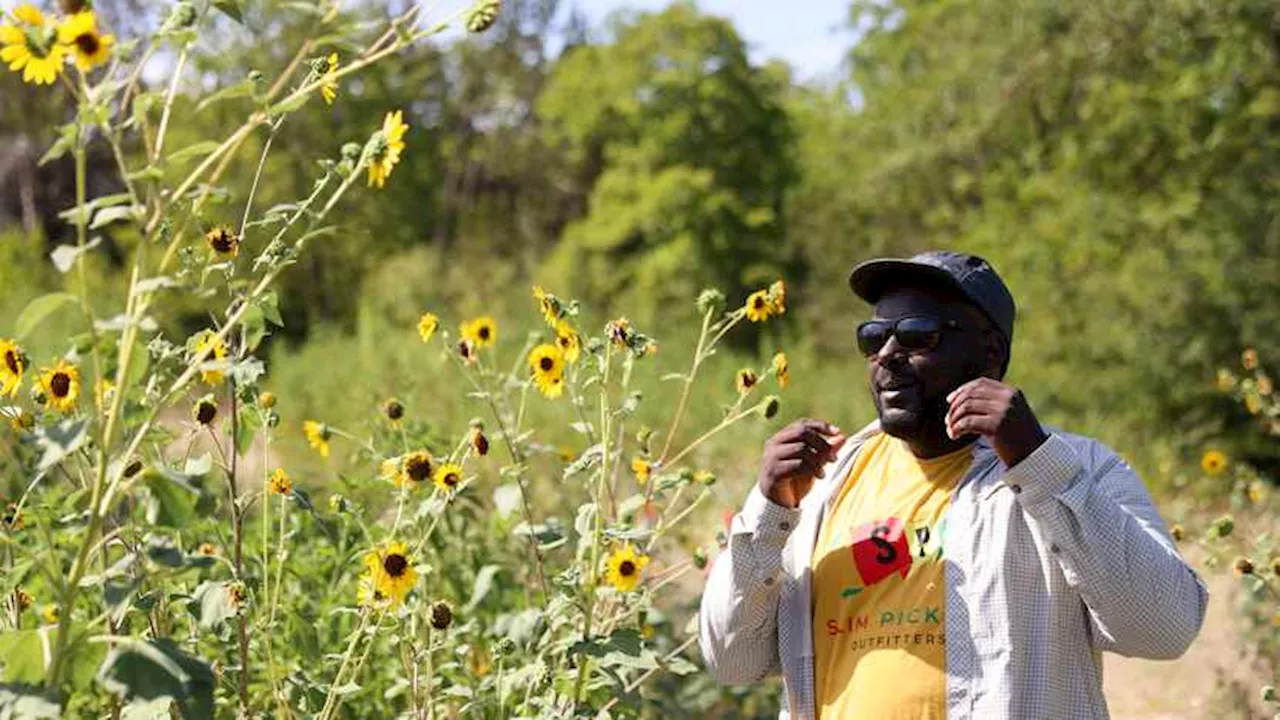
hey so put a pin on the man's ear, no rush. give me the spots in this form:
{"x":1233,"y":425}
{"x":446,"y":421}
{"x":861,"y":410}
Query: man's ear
{"x":996,"y":353}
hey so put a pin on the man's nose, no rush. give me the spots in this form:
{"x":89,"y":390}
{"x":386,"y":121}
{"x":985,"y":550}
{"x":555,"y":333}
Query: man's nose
{"x":892,"y":353}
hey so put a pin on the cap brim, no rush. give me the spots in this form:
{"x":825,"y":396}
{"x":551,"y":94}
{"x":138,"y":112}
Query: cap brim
{"x":871,"y":279}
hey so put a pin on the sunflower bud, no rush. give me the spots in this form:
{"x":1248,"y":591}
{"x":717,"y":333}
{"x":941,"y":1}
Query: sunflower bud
{"x":1178,"y":533}
{"x":505,"y":646}
{"x":205,"y":411}
{"x":337,"y":503}
{"x":771,"y":406}
{"x":394,"y":410}
{"x":700,"y":558}
{"x":441,"y":615}
{"x":256,"y":77}
{"x":207,"y":549}
{"x":479,"y":443}
{"x":267,"y":400}
{"x":705,"y":477}
{"x":182,"y":16}
{"x":237,"y":594}
{"x":710,"y":300}
{"x":132,"y":468}
{"x":1243,"y":566}
{"x":22,"y":598}
{"x":483,"y":15}
{"x":1222,"y":527}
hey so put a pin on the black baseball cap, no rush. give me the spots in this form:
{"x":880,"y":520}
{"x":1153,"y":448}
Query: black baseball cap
{"x":970,"y":275}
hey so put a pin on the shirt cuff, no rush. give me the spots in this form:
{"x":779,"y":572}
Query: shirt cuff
{"x":767,"y":520}
{"x":1044,"y":474}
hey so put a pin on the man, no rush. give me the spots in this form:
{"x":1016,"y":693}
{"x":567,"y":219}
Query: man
{"x":954,"y":559}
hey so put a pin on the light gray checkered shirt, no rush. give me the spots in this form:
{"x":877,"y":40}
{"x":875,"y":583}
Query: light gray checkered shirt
{"x":1048,"y":564}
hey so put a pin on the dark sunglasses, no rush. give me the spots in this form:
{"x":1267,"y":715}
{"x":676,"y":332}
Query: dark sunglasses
{"x":919,"y":332}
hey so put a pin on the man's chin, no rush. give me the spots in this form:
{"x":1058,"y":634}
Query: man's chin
{"x":900,"y":423}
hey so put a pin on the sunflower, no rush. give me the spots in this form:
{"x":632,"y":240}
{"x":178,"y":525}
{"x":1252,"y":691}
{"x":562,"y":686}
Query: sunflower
{"x":547,"y":364}
{"x":329,"y":86}
{"x":205,"y":410}
{"x":620,"y":332}
{"x":467,"y":351}
{"x":49,"y":613}
{"x":1256,"y":492}
{"x":549,"y":305}
{"x":317,"y":436}
{"x":223,"y":241}
{"x":60,"y":385}
{"x":427,"y":325}
{"x":210,"y":348}
{"x":1214,"y":462}
{"x":482,"y":331}
{"x":641,"y":468}
{"x":394,"y":410}
{"x":781,"y":370}
{"x":1265,"y":386}
{"x":391,"y":571}
{"x":1226,"y":380}
{"x":281,"y":483}
{"x":389,"y":149}
{"x":1249,"y":359}
{"x":745,"y":380}
{"x":568,"y":340}
{"x":1253,"y":404}
{"x":448,"y":476}
{"x":31,"y":47}
{"x":757,"y":306}
{"x":79,"y":32}
{"x":625,"y":568}
{"x":415,"y":469}
{"x":13,"y":362}
{"x":778,"y":298}
{"x":207,"y":549}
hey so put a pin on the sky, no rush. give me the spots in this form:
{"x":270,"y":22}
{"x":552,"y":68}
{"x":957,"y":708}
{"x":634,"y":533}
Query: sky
{"x":809,"y":34}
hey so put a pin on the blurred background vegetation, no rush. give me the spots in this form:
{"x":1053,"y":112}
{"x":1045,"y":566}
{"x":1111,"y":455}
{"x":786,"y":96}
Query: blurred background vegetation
{"x":1117,"y":161}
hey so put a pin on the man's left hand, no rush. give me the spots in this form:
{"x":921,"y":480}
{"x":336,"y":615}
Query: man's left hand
{"x":1000,"y":413}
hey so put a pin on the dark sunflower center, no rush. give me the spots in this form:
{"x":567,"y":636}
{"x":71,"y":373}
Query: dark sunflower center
{"x":222,"y":241}
{"x":748,"y":381}
{"x":60,"y":384}
{"x":395,"y":565}
{"x":11,"y":361}
{"x":546,"y":364}
{"x":484,"y":333}
{"x":759,"y":303}
{"x":87,"y":43}
{"x":626,"y":568}
{"x":206,"y":413}
{"x":451,"y":479}
{"x":418,"y":469}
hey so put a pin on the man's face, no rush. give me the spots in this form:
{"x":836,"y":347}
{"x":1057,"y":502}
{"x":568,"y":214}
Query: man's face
{"x":910,"y":387}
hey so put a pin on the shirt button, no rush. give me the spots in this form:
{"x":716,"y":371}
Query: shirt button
{"x":768,"y":581}
{"x":785,"y":525}
{"x":1053,"y":548}
{"x":1016,"y":489}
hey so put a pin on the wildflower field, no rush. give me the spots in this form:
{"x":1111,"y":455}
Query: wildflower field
{"x":500,"y":507}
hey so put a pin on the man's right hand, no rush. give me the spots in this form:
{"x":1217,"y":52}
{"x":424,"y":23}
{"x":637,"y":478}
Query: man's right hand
{"x":794,"y":456}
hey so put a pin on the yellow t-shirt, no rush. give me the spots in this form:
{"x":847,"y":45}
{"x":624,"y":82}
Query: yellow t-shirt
{"x":879,"y":604}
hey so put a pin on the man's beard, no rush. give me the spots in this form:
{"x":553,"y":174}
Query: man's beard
{"x":916,"y":422}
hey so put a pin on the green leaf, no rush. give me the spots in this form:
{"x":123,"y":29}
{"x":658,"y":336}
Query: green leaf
{"x":212,"y":604}
{"x":204,"y":147}
{"x":118,"y":213}
{"x":26,"y":702}
{"x":60,"y":147}
{"x":60,"y":440}
{"x":22,"y":653}
{"x":231,"y":8}
{"x":679,"y":666}
{"x":37,"y":310}
{"x":270,"y":305}
{"x":64,"y":256}
{"x":157,"y":669}
{"x":484,"y":582}
{"x":244,"y":88}
{"x":173,"y":498}
{"x":72,"y":214}
{"x":163,"y":552}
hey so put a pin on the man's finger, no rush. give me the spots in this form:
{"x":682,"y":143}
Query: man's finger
{"x":973,"y":406}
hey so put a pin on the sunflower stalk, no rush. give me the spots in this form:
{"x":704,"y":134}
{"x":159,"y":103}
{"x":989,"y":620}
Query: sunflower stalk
{"x":597,"y":529}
